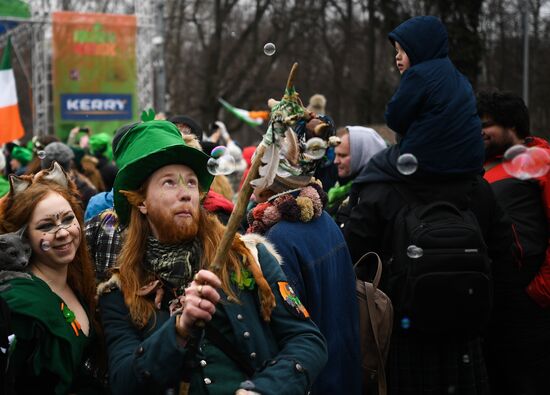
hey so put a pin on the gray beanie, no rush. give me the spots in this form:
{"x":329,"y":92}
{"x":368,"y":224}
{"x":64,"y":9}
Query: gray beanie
{"x":58,"y":152}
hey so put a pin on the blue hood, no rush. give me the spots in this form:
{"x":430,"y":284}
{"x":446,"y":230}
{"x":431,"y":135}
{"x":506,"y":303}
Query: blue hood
{"x":434,"y":108}
{"x":423,"y":38}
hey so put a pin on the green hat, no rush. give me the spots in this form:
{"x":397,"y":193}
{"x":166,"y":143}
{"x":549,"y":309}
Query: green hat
{"x":99,"y":143}
{"x":144,"y":149}
{"x":22,"y":154}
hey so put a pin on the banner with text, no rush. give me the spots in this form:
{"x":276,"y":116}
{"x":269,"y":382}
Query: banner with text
{"x":94,"y":71}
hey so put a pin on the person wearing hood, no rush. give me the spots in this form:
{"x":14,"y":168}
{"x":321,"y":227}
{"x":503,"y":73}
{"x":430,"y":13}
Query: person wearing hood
{"x":358,"y":144}
{"x":518,"y":340}
{"x":434,"y":113}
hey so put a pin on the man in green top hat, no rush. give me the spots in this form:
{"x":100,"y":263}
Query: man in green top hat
{"x":20,"y":157}
{"x":258,"y":338}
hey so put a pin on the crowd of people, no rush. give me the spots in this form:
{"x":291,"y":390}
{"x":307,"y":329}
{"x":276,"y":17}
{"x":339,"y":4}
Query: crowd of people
{"x":109,"y":281}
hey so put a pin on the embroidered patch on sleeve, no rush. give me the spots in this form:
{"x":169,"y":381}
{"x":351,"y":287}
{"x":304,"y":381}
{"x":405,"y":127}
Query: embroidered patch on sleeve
{"x":292,"y":302}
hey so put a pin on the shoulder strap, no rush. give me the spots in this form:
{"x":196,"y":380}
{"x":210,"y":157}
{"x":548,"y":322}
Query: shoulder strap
{"x":371,"y":308}
{"x":229,"y":349}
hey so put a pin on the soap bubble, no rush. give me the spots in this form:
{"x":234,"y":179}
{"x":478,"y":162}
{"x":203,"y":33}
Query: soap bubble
{"x":222,"y":165}
{"x":525,"y":163}
{"x":109,"y":222}
{"x":315,"y":148}
{"x":414,"y":252}
{"x":218,"y":151}
{"x":269,"y":49}
{"x":407,"y":164}
{"x":405,"y":323}
{"x":466,"y":358}
{"x":41,"y":154}
{"x":45,"y":245}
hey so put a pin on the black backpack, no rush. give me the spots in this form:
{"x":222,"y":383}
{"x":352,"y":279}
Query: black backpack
{"x":439,"y":273}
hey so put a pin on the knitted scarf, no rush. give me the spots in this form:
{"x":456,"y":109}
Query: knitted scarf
{"x":305,"y":207}
{"x":175,"y":264}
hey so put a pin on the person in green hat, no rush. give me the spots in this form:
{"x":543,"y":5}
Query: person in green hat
{"x":173,"y":323}
{"x":20,"y":157}
{"x":99,"y":147}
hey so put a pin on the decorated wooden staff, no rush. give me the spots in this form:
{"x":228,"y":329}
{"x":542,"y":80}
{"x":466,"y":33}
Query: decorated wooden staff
{"x":265,"y":163}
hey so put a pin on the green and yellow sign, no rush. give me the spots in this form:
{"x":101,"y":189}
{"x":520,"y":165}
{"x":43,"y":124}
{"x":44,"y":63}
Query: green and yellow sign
{"x":94,"y":71}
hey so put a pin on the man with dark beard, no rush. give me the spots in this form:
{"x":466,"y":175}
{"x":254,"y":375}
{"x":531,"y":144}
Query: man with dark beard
{"x":519,"y":337}
{"x":258,"y":337}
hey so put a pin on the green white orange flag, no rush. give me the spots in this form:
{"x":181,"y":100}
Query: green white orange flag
{"x":10,"y":121}
{"x":252,"y":118}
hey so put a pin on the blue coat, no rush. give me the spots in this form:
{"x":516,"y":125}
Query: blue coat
{"x":288,"y":353}
{"x":317,"y":263}
{"x":434,"y":107}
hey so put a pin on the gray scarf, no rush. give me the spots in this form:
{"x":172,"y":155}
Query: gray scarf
{"x":175,"y":264}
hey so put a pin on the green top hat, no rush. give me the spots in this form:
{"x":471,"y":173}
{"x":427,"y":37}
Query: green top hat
{"x":144,"y":149}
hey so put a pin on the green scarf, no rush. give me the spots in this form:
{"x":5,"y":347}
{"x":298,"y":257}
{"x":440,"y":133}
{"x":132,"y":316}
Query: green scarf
{"x":336,"y":194}
{"x":175,"y":264}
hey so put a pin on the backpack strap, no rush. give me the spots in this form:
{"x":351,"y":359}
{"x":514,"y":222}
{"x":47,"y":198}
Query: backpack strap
{"x":369,"y":292}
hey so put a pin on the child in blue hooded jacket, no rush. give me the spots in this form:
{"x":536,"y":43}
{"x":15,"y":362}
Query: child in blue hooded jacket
{"x":434,"y":107}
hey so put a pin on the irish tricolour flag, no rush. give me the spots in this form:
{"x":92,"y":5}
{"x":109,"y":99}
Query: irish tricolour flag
{"x":10,"y":121}
{"x":253,"y":118}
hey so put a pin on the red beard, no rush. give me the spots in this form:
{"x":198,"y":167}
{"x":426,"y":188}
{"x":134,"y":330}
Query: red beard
{"x":172,"y":230}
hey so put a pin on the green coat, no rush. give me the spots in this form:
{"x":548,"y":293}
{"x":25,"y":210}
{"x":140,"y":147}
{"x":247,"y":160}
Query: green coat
{"x":287,"y":353}
{"x":48,"y":354}
{"x":4,"y":186}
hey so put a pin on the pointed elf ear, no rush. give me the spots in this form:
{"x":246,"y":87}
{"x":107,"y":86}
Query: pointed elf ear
{"x":18,"y":184}
{"x":55,"y":174}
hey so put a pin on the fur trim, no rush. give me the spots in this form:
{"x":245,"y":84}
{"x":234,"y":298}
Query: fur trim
{"x":251,"y":240}
{"x":109,"y":285}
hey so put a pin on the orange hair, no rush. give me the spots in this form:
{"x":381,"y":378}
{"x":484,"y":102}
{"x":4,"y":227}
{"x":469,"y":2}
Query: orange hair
{"x":211,"y":230}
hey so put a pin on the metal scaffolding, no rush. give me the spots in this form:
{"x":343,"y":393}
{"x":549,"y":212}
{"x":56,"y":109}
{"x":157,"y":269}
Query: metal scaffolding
{"x":37,"y":33}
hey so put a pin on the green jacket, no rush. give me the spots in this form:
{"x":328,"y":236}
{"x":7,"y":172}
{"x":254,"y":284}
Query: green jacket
{"x":48,"y":354}
{"x":286,"y":353}
{"x":4,"y":186}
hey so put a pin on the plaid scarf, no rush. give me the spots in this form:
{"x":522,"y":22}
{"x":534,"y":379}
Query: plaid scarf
{"x":174,"y":264}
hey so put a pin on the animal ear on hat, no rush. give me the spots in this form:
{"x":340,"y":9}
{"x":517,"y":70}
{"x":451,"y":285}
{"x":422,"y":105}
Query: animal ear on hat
{"x":19,"y":184}
{"x":55,"y":174}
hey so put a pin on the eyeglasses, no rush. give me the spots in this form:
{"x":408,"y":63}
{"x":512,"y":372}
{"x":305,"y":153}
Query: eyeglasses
{"x":52,"y":228}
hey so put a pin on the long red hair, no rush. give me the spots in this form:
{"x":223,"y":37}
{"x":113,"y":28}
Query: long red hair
{"x":15,"y":213}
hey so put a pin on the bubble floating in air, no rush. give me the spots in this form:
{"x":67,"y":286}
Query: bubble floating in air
{"x":414,"y":252}
{"x":526,"y":162}
{"x":407,"y":164}
{"x":109,"y":222}
{"x":466,"y":358}
{"x":269,"y":49}
{"x":405,"y":323}
{"x":221,"y":166}
{"x":45,"y":245}
{"x":218,"y":151}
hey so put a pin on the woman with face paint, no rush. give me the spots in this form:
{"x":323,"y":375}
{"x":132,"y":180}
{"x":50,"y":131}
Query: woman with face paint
{"x":52,"y":307}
